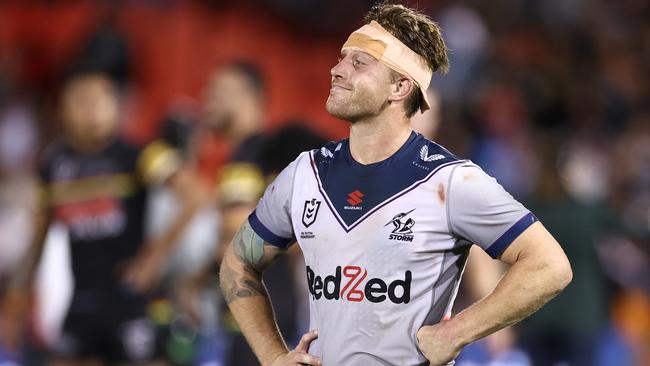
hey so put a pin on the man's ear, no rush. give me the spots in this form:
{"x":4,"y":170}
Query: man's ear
{"x":401,"y":89}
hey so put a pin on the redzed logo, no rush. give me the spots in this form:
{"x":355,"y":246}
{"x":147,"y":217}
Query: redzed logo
{"x":374,"y":290}
{"x":355,"y":198}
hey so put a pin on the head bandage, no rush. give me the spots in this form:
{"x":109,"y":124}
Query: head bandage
{"x":378,"y":42}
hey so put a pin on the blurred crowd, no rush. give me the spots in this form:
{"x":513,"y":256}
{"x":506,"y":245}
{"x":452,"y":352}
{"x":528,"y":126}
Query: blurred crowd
{"x":202,"y":103}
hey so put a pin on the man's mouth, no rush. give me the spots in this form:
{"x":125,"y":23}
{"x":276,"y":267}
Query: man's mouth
{"x":336,"y":87}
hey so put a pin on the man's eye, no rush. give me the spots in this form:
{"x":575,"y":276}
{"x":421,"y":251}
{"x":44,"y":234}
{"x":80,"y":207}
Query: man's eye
{"x":357,"y":63}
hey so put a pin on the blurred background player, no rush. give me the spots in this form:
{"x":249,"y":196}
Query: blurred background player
{"x":97,"y":185}
{"x":232,"y":118}
{"x":233,"y":115}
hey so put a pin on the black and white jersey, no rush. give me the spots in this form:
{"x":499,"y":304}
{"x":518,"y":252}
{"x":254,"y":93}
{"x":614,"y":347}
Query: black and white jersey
{"x":100,"y":198}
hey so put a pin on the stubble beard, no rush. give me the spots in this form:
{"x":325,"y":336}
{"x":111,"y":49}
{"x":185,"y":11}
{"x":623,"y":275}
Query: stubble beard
{"x":353,"y":109}
{"x":339,"y":109}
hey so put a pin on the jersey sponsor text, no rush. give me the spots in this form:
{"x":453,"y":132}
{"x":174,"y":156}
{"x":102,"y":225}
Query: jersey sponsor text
{"x":350,"y":288}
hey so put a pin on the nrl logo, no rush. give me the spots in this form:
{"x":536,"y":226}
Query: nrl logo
{"x":402,"y":230}
{"x":424,"y":155}
{"x":310,"y":211}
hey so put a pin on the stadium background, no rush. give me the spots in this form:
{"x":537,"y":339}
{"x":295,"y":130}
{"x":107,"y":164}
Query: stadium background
{"x":552,"y":98}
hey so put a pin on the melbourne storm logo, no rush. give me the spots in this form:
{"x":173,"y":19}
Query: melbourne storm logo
{"x":403,"y":227}
{"x":310,"y":211}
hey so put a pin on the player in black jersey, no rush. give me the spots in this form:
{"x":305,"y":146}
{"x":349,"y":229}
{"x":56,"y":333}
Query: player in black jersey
{"x":96,"y":185}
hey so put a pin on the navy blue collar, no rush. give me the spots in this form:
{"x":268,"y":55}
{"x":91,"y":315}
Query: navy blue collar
{"x":354,"y":191}
{"x":400,"y":153}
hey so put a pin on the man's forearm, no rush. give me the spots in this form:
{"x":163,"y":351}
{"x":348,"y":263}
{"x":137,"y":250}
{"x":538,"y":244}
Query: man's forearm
{"x":241,"y":284}
{"x":191,"y":196}
{"x":167,"y":241}
{"x":249,"y":303}
{"x":526,"y":286}
{"x":24,"y":275}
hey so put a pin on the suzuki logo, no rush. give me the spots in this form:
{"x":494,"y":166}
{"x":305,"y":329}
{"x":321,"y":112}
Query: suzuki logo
{"x":354,"y":198}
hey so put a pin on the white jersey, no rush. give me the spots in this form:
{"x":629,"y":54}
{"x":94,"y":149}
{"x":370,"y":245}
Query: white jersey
{"x":385,"y":244}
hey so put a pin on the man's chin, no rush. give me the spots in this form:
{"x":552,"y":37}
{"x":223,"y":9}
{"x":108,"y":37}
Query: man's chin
{"x":336,"y":114}
{"x":342,"y":114}
{"x":335,"y":110}
{"x":220,"y":125}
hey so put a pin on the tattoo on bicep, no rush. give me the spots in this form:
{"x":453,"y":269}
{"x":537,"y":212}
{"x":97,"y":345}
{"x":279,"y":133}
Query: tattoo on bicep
{"x":248,"y":246}
{"x":244,"y":282}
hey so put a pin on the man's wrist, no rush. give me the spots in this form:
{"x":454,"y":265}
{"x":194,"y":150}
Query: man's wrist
{"x":456,"y":330}
{"x":274,"y":358}
{"x":156,"y":248}
{"x":20,"y":281}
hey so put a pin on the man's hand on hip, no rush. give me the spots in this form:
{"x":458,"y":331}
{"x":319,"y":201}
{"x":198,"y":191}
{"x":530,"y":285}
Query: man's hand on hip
{"x":438,"y":344}
{"x":299,"y":355}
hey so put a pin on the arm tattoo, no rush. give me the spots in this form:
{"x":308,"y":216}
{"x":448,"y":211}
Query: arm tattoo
{"x":236,"y":283}
{"x":248,"y":246}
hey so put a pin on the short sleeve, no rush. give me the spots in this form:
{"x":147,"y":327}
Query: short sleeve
{"x":271,"y":220}
{"x":240,"y":182}
{"x":157,"y":162}
{"x":482,"y":212}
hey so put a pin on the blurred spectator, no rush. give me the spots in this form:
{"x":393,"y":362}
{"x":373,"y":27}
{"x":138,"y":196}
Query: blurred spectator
{"x":234,"y":102}
{"x":467,"y":36}
{"x":569,"y":329}
{"x":97,"y":185}
{"x":18,"y":139}
{"x":18,"y":189}
{"x":502,"y":148}
{"x":626,"y":256}
{"x":232,"y":117}
{"x":632,"y":176}
{"x":187,"y":312}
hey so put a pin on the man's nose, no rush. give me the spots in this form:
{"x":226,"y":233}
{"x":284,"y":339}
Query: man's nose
{"x":338,"y":71}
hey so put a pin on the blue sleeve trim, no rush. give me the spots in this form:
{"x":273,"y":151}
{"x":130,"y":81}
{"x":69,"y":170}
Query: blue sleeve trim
{"x":510,"y":235}
{"x":266,"y":234}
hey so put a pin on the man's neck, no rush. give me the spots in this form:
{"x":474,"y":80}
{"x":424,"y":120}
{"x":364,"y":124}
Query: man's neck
{"x":85,"y":146}
{"x":376,"y":139}
{"x":244,"y":127}
{"x":237,"y":137}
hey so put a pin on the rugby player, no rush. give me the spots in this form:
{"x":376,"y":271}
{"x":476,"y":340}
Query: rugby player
{"x":96,"y":185}
{"x":385,"y":220}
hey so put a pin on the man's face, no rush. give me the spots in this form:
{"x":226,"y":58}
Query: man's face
{"x":90,"y":109}
{"x":360,"y":87}
{"x":227,"y":94}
